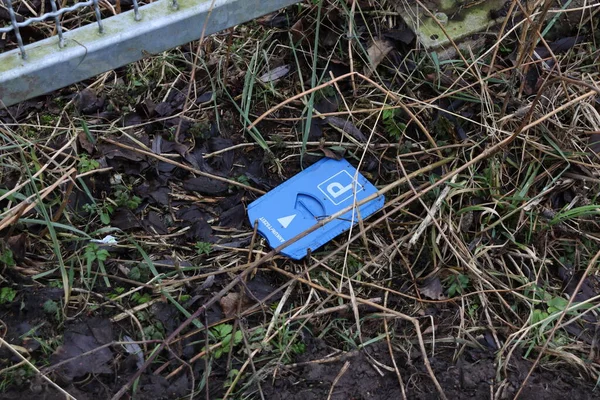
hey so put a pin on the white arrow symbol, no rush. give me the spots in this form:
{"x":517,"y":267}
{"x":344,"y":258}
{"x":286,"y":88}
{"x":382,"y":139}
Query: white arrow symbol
{"x":286,"y":221}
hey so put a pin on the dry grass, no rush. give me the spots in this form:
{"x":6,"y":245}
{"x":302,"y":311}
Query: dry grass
{"x":495,"y":199}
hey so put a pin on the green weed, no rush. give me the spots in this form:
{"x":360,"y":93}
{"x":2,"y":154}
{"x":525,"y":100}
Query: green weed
{"x":203,"y":248}
{"x":223,"y":333}
{"x":52,"y":308}
{"x":7,"y":295}
{"x":87,"y":164}
{"x":141,"y":298}
{"x":93,"y":253}
{"x":6,"y":258}
{"x":457,"y":284}
{"x":394,"y":128}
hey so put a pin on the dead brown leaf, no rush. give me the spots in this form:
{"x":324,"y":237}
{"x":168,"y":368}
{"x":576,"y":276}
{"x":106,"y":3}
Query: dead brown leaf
{"x":329,"y":153}
{"x":377,"y":52}
{"x":432,"y":289}
{"x":229,"y":304}
{"x":85,"y":143}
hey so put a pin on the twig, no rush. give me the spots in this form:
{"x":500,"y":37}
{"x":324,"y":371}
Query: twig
{"x":41,"y":170}
{"x":391,"y":350}
{"x":350,"y":40}
{"x":11,"y":219}
{"x":330,"y":310}
{"x":337,"y":378}
{"x":431,"y":213}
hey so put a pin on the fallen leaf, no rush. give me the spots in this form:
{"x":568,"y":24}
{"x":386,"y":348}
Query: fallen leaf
{"x":158,"y":387}
{"x":316,"y":131}
{"x":328,"y":104}
{"x":223,"y":161}
{"x":229,"y":304}
{"x":233,"y":217}
{"x":88,"y":102}
{"x":329,"y":153}
{"x":132,"y":119}
{"x":204,"y":97}
{"x":182,"y":124}
{"x":346,"y":126}
{"x":167,"y":314}
{"x":18,"y":245}
{"x":111,"y":151}
{"x":133,"y":348}
{"x":154,"y":224}
{"x":200,"y":231}
{"x":85,"y":143}
{"x":124,"y":219}
{"x":204,"y":185}
{"x":259,"y":288}
{"x":559,"y":46}
{"x":82,"y":338}
{"x":432,"y":289}
{"x":163,"y":109}
{"x":404,"y":35}
{"x":275,"y":74}
{"x":275,"y":20}
{"x":376,"y":53}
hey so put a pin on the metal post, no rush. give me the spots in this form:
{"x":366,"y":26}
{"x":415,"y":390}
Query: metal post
{"x":45,"y":66}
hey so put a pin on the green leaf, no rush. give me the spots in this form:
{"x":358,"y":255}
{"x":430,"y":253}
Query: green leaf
{"x":452,"y":290}
{"x":538,"y":315}
{"x":141,"y":298}
{"x":222,"y":330}
{"x":90,"y":252}
{"x":102,"y":255}
{"x":135,"y":274}
{"x":298,"y":348}
{"x":203,"y":248}
{"x":237,"y":339}
{"x":233,"y":373}
{"x":50,"y":307}
{"x":558,"y":303}
{"x":7,"y":258}
{"x":104,"y":218}
{"x":226,"y":343}
{"x":7,"y":295}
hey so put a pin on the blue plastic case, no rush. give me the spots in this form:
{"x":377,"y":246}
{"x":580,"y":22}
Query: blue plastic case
{"x":319,"y":191}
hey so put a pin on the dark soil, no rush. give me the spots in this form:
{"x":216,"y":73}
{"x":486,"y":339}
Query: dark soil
{"x":472,"y":377}
{"x":313,"y":375}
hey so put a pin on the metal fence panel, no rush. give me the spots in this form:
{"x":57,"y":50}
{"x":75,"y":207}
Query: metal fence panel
{"x":84,"y":52}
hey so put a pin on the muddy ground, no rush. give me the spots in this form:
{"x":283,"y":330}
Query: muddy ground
{"x":171,"y":177}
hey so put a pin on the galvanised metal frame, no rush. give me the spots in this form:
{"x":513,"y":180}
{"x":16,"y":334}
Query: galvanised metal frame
{"x":73,"y":56}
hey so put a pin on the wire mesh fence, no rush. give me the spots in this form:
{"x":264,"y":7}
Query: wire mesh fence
{"x":56,"y":14}
{"x":79,"y":40}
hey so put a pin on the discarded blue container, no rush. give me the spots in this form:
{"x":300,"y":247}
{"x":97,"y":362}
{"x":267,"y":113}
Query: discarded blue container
{"x":321,"y":190}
